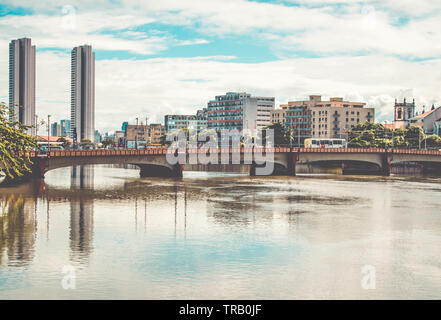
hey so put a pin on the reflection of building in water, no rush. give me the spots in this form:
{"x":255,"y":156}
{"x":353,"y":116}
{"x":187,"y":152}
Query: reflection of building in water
{"x":81,"y":228}
{"x":82,"y":177}
{"x":17,"y":230}
{"x":81,"y":214}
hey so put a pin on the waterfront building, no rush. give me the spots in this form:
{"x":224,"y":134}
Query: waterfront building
{"x":196,"y":122}
{"x":324,"y":119}
{"x":83,"y":93}
{"x":22,"y":82}
{"x":278,"y":116}
{"x":140,"y":135}
{"x":239,"y":111}
{"x":427,"y":120}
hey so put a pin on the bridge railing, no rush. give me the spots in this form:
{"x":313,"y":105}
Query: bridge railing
{"x":164,"y":150}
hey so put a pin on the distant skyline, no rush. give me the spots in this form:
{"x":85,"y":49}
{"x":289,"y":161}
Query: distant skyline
{"x":163,"y":57}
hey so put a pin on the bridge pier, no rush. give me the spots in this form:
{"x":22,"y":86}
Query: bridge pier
{"x":292,"y":162}
{"x":386,"y":162}
{"x":39,"y":167}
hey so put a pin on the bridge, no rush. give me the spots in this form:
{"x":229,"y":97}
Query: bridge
{"x":153,"y":163}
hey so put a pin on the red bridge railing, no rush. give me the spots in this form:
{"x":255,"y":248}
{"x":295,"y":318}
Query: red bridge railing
{"x":158,"y":151}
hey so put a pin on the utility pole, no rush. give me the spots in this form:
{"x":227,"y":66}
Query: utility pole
{"x":136,"y":134}
{"x":48,"y":128}
{"x":36,"y":125}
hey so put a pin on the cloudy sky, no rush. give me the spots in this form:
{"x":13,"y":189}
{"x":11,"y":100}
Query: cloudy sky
{"x":156,"y":57}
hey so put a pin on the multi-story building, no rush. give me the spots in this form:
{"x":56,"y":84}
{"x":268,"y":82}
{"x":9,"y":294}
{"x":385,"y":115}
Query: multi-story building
{"x":22,"y":82}
{"x":137,"y":135}
{"x":325,"y":119}
{"x":97,"y":137}
{"x":239,"y":111}
{"x":83,"y":93}
{"x":65,"y":128}
{"x":196,"y":122}
{"x":278,"y":116}
{"x":56,"y":129}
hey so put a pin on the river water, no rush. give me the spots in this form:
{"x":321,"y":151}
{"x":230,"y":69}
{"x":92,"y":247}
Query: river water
{"x":101,"y":232}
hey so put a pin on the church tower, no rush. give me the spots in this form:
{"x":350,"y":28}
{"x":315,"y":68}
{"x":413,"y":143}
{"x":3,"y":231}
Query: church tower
{"x":403,"y":112}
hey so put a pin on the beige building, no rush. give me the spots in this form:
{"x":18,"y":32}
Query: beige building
{"x":150,"y":134}
{"x":278,"y":116}
{"x":325,"y":119}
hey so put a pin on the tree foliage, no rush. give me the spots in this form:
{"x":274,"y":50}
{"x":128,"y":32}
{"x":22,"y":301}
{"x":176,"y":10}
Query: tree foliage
{"x":14,"y":142}
{"x":66,"y":143}
{"x":375,"y":135}
{"x":282,"y":135}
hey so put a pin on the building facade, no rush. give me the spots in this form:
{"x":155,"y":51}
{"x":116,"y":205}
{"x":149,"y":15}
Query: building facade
{"x":56,"y":129}
{"x":324,"y":119}
{"x":22,"y":82}
{"x":239,"y":111}
{"x":83,"y":93}
{"x":427,"y":120}
{"x":140,"y":135}
{"x":278,"y":116}
{"x":196,"y":122}
{"x":403,"y":112}
{"x":65,"y":128}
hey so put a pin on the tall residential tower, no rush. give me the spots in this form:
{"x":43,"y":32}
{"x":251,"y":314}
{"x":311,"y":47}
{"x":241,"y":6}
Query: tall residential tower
{"x":83,"y":94}
{"x":22,"y":82}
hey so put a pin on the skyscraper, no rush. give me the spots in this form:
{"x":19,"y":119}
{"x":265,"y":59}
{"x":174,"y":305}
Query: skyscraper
{"x":22,"y":82}
{"x":83,"y":93}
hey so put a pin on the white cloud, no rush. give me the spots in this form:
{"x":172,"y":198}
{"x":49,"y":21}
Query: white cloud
{"x":126,"y":89}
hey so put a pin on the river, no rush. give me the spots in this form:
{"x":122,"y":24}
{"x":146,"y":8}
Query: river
{"x":219,"y":236}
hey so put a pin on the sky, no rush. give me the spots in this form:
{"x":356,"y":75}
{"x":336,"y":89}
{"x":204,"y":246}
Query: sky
{"x":173,"y":56}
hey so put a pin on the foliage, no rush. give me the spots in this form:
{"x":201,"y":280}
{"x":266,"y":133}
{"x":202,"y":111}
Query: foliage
{"x":282,"y":136}
{"x":66,"y":143}
{"x":375,"y":135}
{"x":432,"y":142}
{"x":14,"y":142}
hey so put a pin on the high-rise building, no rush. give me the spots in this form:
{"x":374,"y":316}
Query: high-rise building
{"x":83,"y":93}
{"x":65,"y":128}
{"x":56,"y":129}
{"x":22,"y":82}
{"x":239,"y":111}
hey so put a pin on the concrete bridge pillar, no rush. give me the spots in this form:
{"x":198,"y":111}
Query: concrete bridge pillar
{"x":386,"y":162}
{"x":293,"y":157}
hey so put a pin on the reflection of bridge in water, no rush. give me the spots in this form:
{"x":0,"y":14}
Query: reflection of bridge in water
{"x":286,"y":161}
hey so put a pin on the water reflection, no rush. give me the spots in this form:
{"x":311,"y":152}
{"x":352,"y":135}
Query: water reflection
{"x":81,"y":214}
{"x":219,"y":236}
{"x":18,"y":225}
